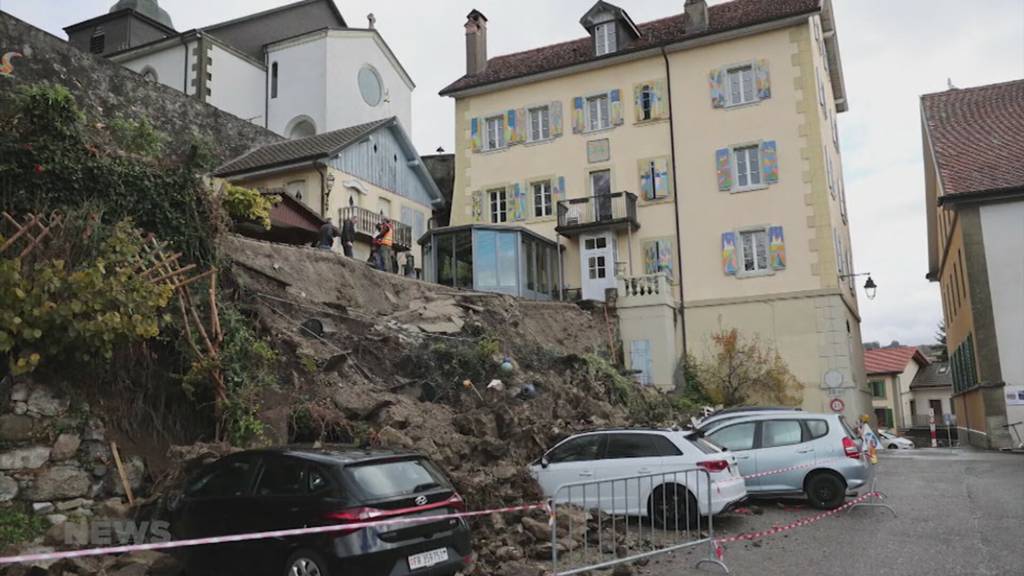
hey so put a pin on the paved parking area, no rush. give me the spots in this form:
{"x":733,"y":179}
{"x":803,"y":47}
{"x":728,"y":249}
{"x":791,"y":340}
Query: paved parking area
{"x":960,"y":512}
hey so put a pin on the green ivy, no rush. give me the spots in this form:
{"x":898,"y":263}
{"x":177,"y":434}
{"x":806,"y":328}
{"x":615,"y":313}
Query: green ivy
{"x":17,"y":526}
{"x":137,"y":136}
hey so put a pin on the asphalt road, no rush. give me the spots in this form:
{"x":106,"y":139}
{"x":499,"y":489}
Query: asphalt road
{"x":959,"y":512}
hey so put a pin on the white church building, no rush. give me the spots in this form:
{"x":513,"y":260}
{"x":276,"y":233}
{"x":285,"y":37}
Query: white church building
{"x":297,"y":70}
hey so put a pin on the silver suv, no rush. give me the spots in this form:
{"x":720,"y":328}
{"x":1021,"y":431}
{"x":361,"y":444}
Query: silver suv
{"x":819,"y":453}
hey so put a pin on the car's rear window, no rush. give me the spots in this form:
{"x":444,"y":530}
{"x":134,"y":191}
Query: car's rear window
{"x":395,"y":478}
{"x":849,"y":432}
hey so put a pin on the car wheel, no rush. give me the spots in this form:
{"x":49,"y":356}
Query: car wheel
{"x":306,"y":563}
{"x":892,"y":447}
{"x":825,"y":491}
{"x":673,"y":506}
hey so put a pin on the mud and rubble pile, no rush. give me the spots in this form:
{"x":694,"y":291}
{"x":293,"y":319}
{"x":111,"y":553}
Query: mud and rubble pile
{"x":482,"y":383}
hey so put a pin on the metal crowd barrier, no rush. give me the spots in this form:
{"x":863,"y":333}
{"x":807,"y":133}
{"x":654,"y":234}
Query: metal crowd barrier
{"x":599,"y":524}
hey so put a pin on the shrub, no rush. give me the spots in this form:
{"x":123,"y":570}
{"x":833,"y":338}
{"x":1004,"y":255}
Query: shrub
{"x":247,"y":205}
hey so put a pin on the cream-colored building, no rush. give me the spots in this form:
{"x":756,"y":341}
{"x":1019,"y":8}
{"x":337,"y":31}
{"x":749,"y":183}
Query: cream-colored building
{"x":370,"y":172}
{"x":692,"y":159}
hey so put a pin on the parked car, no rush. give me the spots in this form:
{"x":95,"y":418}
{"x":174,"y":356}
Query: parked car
{"x":774,"y":440}
{"x":623,"y":453}
{"x":894,"y":442}
{"x":276,"y":489}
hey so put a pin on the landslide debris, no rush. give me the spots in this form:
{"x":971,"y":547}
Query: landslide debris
{"x":482,"y":383}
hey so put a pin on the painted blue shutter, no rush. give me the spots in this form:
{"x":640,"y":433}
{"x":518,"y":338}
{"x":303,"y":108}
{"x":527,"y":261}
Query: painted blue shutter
{"x":518,"y":202}
{"x":723,"y":165}
{"x":716,"y":83}
{"x":615,"y":99}
{"x":769,"y":162}
{"x":578,"y":120}
{"x":475,"y":136}
{"x":556,"y":119}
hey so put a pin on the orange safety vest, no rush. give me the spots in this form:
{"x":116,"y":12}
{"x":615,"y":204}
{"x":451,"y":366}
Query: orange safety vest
{"x":385,"y":237}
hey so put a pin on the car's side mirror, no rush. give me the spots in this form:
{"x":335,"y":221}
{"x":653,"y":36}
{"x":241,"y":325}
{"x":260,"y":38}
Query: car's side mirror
{"x":544,"y":462}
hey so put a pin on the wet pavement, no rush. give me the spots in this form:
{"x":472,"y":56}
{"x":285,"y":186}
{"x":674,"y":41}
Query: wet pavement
{"x":959,"y":512}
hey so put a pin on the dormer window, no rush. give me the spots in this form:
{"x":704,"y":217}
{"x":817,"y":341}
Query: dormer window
{"x":612,"y":29}
{"x":605,"y":38}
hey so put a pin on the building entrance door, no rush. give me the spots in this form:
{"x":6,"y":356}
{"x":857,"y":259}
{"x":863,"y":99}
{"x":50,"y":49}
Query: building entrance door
{"x":597,"y":263}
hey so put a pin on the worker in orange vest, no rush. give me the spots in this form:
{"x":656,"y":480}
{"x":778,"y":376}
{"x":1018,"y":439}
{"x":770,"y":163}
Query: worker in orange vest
{"x":384,"y":240}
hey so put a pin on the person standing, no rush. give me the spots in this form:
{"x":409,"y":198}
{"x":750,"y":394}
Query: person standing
{"x":348,"y":236}
{"x":869,"y":439}
{"x":385,"y":241}
{"x":327,"y":234}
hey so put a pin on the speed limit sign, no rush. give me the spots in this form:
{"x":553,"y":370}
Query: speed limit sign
{"x":837,"y":405}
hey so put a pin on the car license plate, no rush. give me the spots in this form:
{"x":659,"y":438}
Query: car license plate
{"x":428,"y":559}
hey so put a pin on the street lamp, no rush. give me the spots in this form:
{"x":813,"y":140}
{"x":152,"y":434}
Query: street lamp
{"x":330,"y":183}
{"x":870,"y":288}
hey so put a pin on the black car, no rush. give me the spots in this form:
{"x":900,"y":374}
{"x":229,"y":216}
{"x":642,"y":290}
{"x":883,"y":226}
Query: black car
{"x":277,"y":489}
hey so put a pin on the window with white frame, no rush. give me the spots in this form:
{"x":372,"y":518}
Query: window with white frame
{"x":604,"y":38}
{"x":754,"y":250}
{"x":741,"y":85}
{"x":598,"y":116}
{"x":495,"y":133}
{"x":647,"y":102}
{"x":748,"y":167}
{"x":499,"y":205}
{"x":540,"y":123}
{"x":542,"y":198}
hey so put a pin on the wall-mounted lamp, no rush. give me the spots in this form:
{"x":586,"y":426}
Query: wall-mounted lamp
{"x":870,"y":288}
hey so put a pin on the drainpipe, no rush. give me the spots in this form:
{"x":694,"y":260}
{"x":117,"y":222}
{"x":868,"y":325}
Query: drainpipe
{"x":675,"y":201}
{"x":184,"y":77}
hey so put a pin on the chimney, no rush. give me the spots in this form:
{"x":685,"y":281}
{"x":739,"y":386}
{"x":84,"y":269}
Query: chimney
{"x":476,"y":43}
{"x":697,"y":16}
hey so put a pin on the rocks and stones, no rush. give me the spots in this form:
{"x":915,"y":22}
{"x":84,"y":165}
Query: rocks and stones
{"x":19,"y":392}
{"x":19,"y":408}
{"x":354,"y":404}
{"x":392,"y":438}
{"x":96,"y":452}
{"x":8,"y":488}
{"x":16,"y":427}
{"x":114,"y":508}
{"x":56,"y":519}
{"x":59,"y":483}
{"x":20,"y":458}
{"x":73,"y":504}
{"x":43,"y":402}
{"x":134,"y":468}
{"x":66,"y":447}
{"x":99,"y":471}
{"x":42,"y":507}
{"x":95,"y":430}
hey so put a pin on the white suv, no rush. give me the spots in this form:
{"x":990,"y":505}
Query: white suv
{"x":630,"y":470}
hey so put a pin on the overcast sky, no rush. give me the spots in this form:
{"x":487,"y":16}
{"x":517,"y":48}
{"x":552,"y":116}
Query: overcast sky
{"x":893,"y":51}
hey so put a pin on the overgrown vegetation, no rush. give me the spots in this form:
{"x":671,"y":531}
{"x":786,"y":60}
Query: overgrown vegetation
{"x":744,"y":370}
{"x":77,"y":299}
{"x":78,"y":296}
{"x":247,"y":205}
{"x":18,"y":526}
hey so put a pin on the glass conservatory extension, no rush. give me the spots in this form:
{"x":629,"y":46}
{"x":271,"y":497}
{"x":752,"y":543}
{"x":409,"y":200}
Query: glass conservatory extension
{"x":504,"y":259}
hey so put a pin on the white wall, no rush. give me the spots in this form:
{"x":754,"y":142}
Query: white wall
{"x":302,"y":74}
{"x":347,"y":52}
{"x":1002,"y":226}
{"x":236,"y":85}
{"x":169,"y":65}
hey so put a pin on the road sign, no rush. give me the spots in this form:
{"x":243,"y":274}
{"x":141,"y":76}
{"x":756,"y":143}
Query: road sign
{"x":837,"y":405}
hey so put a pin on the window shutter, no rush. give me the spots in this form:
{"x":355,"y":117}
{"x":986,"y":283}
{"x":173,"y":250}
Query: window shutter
{"x":716,"y":81}
{"x":640,"y":360}
{"x":764,"y":84}
{"x":615,"y":100}
{"x":559,"y":192}
{"x":638,"y":105}
{"x":658,"y":257}
{"x":769,"y":162}
{"x":478,"y":206}
{"x":646,"y":186}
{"x":660,"y":99}
{"x":475,"y":133}
{"x":729,"y":253}
{"x":723,"y":163}
{"x":777,"y":248}
{"x":578,"y":119}
{"x":556,"y":119}
{"x":518,"y":202}
{"x":511,"y":127}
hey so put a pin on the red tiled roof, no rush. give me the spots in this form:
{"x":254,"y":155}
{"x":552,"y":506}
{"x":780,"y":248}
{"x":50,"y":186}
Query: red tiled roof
{"x":977,"y":135}
{"x":891,"y":360}
{"x":721,"y":17}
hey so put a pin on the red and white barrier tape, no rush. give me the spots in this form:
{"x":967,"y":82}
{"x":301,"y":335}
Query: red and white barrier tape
{"x":53,"y":556}
{"x":720,"y":552}
{"x":791,"y":468}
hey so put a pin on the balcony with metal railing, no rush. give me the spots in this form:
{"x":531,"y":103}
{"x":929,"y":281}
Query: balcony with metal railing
{"x":366,"y":227}
{"x":604,"y":211}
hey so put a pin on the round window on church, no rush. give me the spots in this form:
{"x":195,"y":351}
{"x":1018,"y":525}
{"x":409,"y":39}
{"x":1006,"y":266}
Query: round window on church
{"x":370,"y":85}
